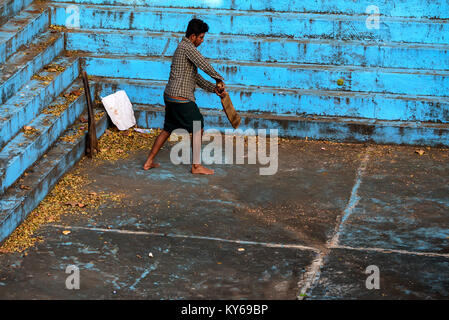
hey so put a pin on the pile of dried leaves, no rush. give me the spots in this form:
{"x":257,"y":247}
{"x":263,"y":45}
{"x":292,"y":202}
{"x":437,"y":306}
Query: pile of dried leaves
{"x":55,"y":28}
{"x":70,"y":196}
{"x":53,"y":67}
{"x":43,"y":79}
{"x":57,"y":109}
{"x":30,"y":131}
{"x":115,"y":144}
{"x":80,"y":130}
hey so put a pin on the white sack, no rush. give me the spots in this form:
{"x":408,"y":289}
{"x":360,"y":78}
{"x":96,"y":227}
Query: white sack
{"x":120,"y":109}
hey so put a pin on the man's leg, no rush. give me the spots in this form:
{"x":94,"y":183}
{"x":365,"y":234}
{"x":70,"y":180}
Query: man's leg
{"x":160,"y":140}
{"x":197,"y":168}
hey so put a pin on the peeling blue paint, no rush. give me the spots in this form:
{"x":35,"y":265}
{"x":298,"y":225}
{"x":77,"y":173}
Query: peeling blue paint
{"x":402,"y":8}
{"x":17,"y":34}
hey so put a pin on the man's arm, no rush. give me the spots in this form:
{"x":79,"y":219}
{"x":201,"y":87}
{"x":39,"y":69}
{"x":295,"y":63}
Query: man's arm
{"x":204,"y":84}
{"x":200,"y":62}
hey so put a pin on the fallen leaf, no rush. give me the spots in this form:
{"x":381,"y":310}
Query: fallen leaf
{"x":420,"y":152}
{"x":24,"y":187}
{"x":66,"y":232}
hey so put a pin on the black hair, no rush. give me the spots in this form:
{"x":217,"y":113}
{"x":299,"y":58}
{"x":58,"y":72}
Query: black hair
{"x":196,"y":27}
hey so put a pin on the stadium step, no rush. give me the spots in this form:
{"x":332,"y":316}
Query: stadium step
{"x":24,"y":195}
{"x":28,"y":102}
{"x":22,"y":28}
{"x":9,"y":8}
{"x":299,"y":102}
{"x":256,"y":23}
{"x":340,"y":129}
{"x":19,"y":69}
{"x":266,"y":49}
{"x":284,"y":76}
{"x":38,"y":135}
{"x":437,"y":9}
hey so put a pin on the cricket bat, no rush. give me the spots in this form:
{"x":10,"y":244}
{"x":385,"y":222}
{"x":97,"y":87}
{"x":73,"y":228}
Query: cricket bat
{"x":91,"y":142}
{"x":228,"y":108}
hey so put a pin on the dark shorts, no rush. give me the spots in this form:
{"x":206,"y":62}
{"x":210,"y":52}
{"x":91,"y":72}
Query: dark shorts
{"x":181,"y":116}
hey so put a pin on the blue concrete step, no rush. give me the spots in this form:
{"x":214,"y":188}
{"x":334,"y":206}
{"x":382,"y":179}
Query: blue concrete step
{"x":317,"y":128}
{"x":32,"y":98}
{"x":27,"y":146}
{"x":21,"y":29}
{"x":9,"y":8}
{"x":19,"y":69}
{"x":400,"y":8}
{"x":295,"y":102}
{"x":282,"y":50}
{"x":17,"y":203}
{"x":295,"y":25}
{"x":284,"y":76}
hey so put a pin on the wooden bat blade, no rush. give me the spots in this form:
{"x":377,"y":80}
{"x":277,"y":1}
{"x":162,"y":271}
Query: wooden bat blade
{"x":229,"y":109}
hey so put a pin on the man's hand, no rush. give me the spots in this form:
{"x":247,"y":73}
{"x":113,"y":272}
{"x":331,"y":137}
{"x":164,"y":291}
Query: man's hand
{"x":220,"y":89}
{"x":221,"y":94}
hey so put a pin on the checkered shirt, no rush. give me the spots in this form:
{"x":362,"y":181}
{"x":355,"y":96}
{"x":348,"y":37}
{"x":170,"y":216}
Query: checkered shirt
{"x":184,"y":75}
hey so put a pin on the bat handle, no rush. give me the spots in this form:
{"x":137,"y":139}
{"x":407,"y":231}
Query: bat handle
{"x":220,"y":86}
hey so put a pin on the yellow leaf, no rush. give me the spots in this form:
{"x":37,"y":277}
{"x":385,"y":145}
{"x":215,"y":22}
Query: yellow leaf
{"x":420,"y":152}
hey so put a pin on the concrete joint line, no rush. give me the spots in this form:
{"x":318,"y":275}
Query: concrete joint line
{"x":353,"y":200}
{"x":389,"y":251}
{"x":172,"y":235}
{"x":312,"y":275}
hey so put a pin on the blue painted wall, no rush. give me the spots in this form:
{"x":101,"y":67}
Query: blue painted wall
{"x":282,"y":57}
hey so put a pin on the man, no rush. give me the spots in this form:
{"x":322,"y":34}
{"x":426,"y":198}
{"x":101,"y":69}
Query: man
{"x":180,"y":107}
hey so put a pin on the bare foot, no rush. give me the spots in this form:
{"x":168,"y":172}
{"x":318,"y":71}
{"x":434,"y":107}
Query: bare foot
{"x":151,"y":165}
{"x":199,"y":169}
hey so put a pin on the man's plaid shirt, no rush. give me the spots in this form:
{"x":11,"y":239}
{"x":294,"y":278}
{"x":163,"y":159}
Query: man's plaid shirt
{"x":184,"y":75}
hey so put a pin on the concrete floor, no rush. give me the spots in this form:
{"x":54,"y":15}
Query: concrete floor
{"x":309,"y":231}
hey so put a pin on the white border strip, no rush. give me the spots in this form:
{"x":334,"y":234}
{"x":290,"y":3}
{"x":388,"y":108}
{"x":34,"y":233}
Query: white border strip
{"x":381,"y":250}
{"x":172,"y":235}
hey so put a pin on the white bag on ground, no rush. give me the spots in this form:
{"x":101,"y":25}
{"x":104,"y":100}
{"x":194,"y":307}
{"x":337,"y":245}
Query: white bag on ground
{"x":120,"y":109}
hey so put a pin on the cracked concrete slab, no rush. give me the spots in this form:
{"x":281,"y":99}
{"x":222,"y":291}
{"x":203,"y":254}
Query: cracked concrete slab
{"x":240,"y":235}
